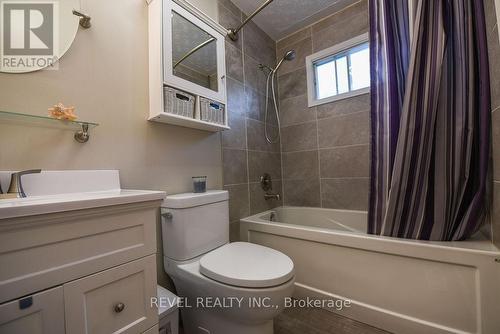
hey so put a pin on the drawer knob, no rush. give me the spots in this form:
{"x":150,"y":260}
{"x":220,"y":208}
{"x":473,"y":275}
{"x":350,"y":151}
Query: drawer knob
{"x":119,"y":307}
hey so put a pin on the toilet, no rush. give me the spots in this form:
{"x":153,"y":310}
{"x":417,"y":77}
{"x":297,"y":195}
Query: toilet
{"x":226,"y":287}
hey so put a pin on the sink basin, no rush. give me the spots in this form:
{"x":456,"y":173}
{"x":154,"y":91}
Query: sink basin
{"x":59,"y":191}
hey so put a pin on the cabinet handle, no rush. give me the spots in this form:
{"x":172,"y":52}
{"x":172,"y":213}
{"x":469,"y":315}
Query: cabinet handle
{"x":119,"y":307}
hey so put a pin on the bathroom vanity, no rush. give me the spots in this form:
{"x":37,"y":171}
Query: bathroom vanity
{"x":78,"y":255}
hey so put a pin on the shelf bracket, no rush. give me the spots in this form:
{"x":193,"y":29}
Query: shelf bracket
{"x":83,"y":136}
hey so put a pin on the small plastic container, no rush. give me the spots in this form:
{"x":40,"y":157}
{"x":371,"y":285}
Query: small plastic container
{"x":199,"y":184}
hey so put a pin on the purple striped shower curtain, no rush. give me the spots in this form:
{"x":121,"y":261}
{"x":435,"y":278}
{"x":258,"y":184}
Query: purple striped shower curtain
{"x":430,"y":119}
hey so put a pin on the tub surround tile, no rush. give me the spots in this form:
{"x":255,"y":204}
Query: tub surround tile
{"x":230,"y":17}
{"x":239,"y":204}
{"x":264,"y":162}
{"x":496,"y":214}
{"x":342,"y":30}
{"x":234,"y":231}
{"x":345,"y":106}
{"x":295,"y":110}
{"x":255,"y":104}
{"x":256,"y":137}
{"x":495,"y":118}
{"x":254,"y":77}
{"x":350,"y":129}
{"x":303,"y":165}
{"x":235,"y":166}
{"x":293,"y":84}
{"x":348,"y":161}
{"x":302,"y":49}
{"x":494,"y":58}
{"x":236,"y":136}
{"x":344,"y":15}
{"x":235,"y":97}
{"x":258,"y":45}
{"x":258,"y":203}
{"x":302,"y":192}
{"x":490,"y":15}
{"x":234,"y":63}
{"x":301,"y":137}
{"x":293,"y":38}
{"x":349,"y":194}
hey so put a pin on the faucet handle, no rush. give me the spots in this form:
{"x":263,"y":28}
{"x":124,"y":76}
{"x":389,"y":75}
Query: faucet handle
{"x":16,"y":185}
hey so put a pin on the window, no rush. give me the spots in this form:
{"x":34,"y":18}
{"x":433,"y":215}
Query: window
{"x":339,"y":72}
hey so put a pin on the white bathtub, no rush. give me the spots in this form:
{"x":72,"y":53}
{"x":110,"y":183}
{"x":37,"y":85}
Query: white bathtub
{"x":402,"y":286}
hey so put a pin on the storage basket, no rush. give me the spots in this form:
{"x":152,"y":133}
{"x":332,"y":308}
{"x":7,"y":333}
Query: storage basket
{"x":178,"y":102}
{"x":212,"y":111}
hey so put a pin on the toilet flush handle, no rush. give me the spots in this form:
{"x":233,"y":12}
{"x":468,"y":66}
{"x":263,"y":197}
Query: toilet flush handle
{"x":167,"y":215}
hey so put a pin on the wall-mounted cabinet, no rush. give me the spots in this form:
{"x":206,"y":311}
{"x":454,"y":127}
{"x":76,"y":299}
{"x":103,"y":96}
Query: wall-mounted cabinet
{"x":187,"y":72}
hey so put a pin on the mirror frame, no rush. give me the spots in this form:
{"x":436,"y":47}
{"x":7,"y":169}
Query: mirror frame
{"x":205,"y":23}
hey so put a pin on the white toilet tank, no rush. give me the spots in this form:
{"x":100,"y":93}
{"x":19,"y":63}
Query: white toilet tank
{"x":194,"y":224}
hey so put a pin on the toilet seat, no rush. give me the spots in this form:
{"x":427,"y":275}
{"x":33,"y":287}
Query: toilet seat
{"x":247,"y":265}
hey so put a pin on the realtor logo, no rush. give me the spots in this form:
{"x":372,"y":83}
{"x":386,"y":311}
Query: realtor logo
{"x":29,"y":35}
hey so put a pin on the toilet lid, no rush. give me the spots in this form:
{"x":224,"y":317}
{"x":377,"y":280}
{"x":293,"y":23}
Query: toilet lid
{"x":247,"y":265}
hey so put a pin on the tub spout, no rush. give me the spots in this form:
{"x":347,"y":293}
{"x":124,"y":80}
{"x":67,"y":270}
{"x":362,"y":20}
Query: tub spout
{"x":268,"y":197}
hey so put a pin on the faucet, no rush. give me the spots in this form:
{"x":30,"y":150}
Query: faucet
{"x":16,"y":185}
{"x":268,"y":197}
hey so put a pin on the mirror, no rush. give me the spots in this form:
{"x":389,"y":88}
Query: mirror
{"x":194,"y":53}
{"x":36,"y":34}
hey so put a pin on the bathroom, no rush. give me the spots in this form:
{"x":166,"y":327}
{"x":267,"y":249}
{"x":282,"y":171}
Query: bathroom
{"x":300,"y":198}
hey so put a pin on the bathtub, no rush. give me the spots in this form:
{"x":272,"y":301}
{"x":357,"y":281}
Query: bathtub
{"x":402,"y":286}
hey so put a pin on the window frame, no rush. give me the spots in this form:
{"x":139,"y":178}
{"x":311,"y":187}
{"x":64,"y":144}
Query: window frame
{"x":331,"y":52}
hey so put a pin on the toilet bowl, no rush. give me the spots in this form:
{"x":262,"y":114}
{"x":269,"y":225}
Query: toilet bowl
{"x":226,"y":287}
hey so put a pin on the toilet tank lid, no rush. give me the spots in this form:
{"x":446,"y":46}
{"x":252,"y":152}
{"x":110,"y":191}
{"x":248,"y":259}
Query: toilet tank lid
{"x":189,"y":200}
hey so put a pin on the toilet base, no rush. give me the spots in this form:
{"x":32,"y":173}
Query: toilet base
{"x":198,"y":321}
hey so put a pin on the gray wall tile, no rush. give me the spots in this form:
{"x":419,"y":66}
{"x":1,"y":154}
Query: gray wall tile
{"x":234,"y":163}
{"x":236,"y":137}
{"x":239,"y":203}
{"x":299,"y":137}
{"x":495,"y":120}
{"x":234,"y":63}
{"x":293,"y":38}
{"x":257,"y":201}
{"x":295,"y":110}
{"x":293,"y":84}
{"x":255,"y":104}
{"x":350,"y":161}
{"x":234,"y":231}
{"x":494,"y":58}
{"x":345,"y":16}
{"x":496,"y":214}
{"x":264,"y":162}
{"x":230,"y":17}
{"x":302,"y":192}
{"x":254,"y":77}
{"x":302,"y":49}
{"x":344,"y":130}
{"x":256,"y":137}
{"x":302,"y":165}
{"x":350,"y":194}
{"x":345,"y":106}
{"x":235,"y":97}
{"x":258,"y":44}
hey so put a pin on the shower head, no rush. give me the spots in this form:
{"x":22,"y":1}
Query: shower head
{"x":289,"y":56}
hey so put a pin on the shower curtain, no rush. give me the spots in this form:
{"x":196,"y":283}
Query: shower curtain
{"x":430,"y":119}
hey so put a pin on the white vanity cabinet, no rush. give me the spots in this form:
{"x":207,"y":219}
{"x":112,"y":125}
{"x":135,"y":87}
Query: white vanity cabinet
{"x":79,"y":263}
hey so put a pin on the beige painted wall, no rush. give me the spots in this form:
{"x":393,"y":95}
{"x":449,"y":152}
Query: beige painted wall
{"x":105,"y":75}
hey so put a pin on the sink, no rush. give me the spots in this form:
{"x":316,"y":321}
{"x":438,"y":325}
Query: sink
{"x":60,"y":191}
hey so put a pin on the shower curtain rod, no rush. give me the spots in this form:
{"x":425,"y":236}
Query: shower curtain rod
{"x":233,"y":33}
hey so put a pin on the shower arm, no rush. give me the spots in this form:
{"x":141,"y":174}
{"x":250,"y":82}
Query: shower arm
{"x":208,"y":41}
{"x":233,"y":33}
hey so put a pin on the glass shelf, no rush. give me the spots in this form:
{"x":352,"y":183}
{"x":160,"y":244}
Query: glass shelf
{"x":81,"y":128}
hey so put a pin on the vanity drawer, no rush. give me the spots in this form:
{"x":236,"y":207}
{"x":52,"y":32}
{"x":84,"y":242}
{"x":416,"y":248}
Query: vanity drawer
{"x":41,"y":313}
{"x":113,"y":301}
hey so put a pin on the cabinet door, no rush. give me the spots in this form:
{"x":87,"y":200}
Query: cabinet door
{"x":117,"y":300}
{"x":42,"y":313}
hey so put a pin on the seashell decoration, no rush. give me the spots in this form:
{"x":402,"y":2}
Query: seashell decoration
{"x":59,"y":111}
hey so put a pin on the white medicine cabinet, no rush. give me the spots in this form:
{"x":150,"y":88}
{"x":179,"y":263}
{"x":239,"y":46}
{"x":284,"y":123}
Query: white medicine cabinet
{"x":187,"y":72}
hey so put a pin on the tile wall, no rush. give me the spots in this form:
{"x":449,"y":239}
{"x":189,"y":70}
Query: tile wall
{"x":325,"y":149}
{"x":246,"y":154}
